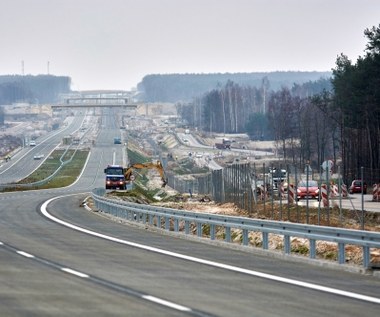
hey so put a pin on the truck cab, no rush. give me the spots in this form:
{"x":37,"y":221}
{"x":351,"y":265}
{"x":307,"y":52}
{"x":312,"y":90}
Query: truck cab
{"x":115,"y":178}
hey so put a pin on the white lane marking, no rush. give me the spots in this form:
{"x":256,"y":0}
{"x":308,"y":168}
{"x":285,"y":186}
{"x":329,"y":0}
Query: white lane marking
{"x":76,"y":273}
{"x":166,"y":303}
{"x":1,"y":243}
{"x":210,"y":263}
{"x":27,"y":255}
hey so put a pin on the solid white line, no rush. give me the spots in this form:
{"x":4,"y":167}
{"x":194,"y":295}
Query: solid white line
{"x":76,"y":273}
{"x":166,"y":303}
{"x":27,"y":255}
{"x":211,"y":263}
{"x":1,"y":243}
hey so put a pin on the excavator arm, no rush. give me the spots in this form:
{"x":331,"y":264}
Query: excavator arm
{"x":150,"y":165}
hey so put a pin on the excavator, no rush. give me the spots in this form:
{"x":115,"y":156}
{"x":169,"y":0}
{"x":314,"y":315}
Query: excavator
{"x":128,"y":172}
{"x":118,"y":176}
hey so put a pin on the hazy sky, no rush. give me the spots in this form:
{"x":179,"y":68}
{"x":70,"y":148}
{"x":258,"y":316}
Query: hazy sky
{"x":113,"y":44}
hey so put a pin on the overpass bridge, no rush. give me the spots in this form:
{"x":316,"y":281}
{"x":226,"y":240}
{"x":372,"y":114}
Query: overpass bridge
{"x":94,"y":102}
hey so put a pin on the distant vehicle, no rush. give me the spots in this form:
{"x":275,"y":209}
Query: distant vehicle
{"x":307,"y":189}
{"x":356,"y":187}
{"x":38,"y":157}
{"x":225,"y":145}
{"x":278,"y":176}
{"x":32,"y":143}
{"x":117,"y":140}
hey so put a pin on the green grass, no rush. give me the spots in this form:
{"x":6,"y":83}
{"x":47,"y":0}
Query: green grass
{"x":66,"y":176}
{"x":136,"y":157}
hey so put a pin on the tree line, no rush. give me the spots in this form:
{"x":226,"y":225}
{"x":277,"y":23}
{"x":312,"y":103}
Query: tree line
{"x":335,"y":118}
{"x":32,"y":89}
{"x":185,"y":87}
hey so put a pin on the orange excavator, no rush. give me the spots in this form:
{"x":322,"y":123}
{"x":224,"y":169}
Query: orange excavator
{"x":117,"y":177}
{"x":128,"y":172}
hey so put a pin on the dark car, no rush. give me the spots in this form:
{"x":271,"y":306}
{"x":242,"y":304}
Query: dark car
{"x":356,"y":187}
{"x":307,"y":189}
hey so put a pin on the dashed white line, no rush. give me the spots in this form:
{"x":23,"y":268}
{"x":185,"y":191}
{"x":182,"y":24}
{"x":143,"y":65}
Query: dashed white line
{"x":73,"y":272}
{"x":27,"y":255}
{"x":166,"y":303}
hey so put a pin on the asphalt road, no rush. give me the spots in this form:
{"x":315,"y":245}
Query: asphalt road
{"x":88,"y":265}
{"x":22,"y":163}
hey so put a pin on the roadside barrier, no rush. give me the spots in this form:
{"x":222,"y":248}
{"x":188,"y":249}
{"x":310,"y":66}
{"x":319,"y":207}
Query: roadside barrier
{"x":181,"y":222}
{"x":344,"y":191}
{"x":376,"y":192}
{"x":325,"y":200}
{"x":334,"y":191}
{"x":292,"y":191}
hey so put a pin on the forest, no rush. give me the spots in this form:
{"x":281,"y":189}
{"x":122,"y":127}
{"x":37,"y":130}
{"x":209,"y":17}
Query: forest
{"x":185,"y":87}
{"x":335,"y":118}
{"x":32,"y":89}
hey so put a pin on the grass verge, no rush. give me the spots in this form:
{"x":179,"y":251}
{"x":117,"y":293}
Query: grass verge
{"x":65,"y":177}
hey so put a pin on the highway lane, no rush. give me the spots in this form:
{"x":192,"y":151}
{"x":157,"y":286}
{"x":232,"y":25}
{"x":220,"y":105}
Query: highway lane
{"x":23,"y":164}
{"x":201,"y":287}
{"x":49,"y":269}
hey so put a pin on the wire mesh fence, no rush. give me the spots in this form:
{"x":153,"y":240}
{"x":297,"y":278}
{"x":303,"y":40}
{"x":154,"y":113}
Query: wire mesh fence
{"x":274,"y":192}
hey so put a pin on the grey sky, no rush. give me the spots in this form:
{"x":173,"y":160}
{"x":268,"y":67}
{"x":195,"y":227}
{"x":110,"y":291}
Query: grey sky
{"x":113,"y":44}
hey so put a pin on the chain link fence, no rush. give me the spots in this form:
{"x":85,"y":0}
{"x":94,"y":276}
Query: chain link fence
{"x":272,"y":191}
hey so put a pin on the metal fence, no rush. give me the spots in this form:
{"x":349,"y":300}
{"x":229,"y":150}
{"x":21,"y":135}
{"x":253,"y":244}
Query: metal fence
{"x":200,"y":184}
{"x":251,"y":188}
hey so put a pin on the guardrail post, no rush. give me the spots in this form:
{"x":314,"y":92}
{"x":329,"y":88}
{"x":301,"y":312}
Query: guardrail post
{"x":312,"y":246}
{"x":187,"y":227}
{"x":287,"y":244}
{"x":228,"y":234}
{"x":366,"y":256}
{"x":265,"y":240}
{"x":159,"y":222}
{"x":176,"y":225}
{"x":212,"y":232}
{"x":167,"y":223}
{"x":199,"y":229}
{"x":245,"y":237}
{"x":341,"y":253}
{"x":151,"y":219}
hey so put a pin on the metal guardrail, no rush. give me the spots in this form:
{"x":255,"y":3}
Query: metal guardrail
{"x":159,"y":216}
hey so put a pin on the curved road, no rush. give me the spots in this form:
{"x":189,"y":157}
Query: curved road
{"x":58,"y":259}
